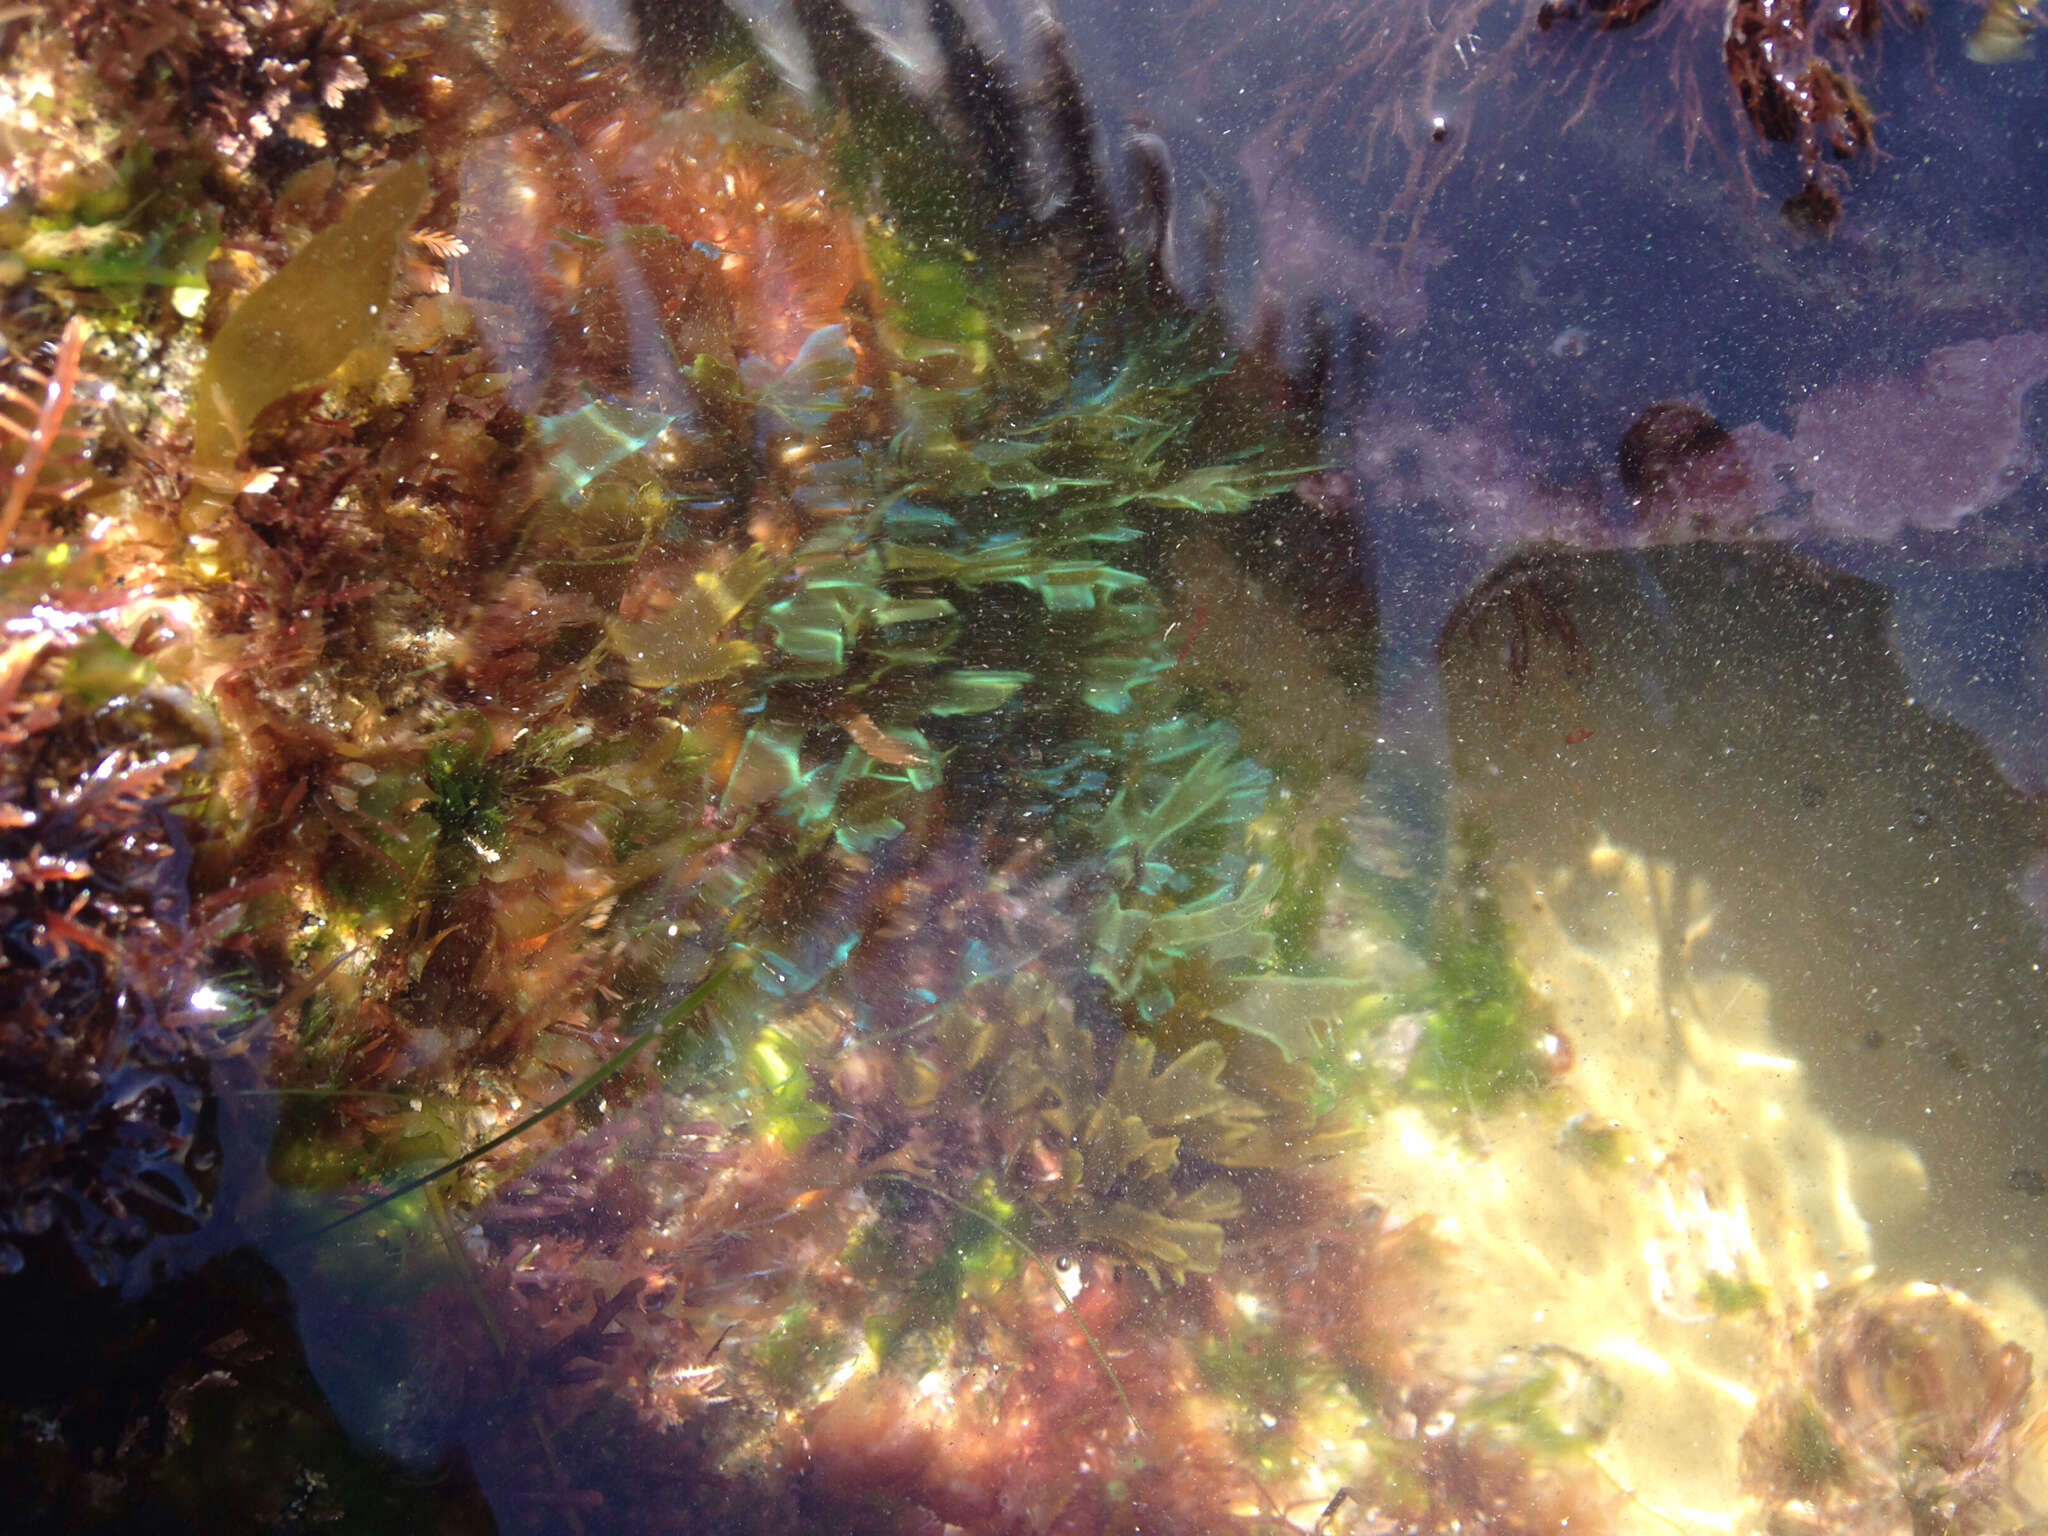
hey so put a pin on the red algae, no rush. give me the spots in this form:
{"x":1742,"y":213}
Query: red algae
{"x":110,"y":1031}
{"x":738,"y":240}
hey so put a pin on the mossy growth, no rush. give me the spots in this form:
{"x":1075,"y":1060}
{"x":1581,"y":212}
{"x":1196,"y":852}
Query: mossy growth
{"x":978,"y":1249}
{"x":1551,"y":1400}
{"x":467,"y":796}
{"x":1808,"y":1457}
{"x":120,"y":228}
{"x":1729,"y":1295}
{"x":795,"y":1352}
{"x":1479,"y":1038}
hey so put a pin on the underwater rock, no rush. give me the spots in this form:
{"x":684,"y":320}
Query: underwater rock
{"x":1673,"y":1204}
{"x":193,"y":1404}
{"x":1703,"y":690}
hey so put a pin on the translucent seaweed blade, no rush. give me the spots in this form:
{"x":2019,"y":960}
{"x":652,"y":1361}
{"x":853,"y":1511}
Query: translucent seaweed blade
{"x":586,"y":444}
{"x":1293,"y":1011}
{"x":1219,"y":787}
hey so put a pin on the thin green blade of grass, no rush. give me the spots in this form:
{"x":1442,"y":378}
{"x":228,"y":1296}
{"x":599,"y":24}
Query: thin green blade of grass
{"x":596,"y":1078}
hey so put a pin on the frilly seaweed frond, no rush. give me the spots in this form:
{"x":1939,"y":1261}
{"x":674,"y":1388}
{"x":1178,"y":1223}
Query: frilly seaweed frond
{"x":1109,"y":1154}
{"x":1104,"y":1145}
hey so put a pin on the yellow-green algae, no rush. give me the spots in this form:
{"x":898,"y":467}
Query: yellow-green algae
{"x":324,"y":313}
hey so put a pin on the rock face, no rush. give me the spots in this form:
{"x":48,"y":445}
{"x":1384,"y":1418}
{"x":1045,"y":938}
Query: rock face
{"x":1668,"y":1217}
{"x":1742,"y":714}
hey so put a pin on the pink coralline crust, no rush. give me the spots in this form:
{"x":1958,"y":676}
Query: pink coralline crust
{"x":1305,"y":261}
{"x":1867,"y":459}
{"x":1496,"y":491}
{"x":1487,"y":483}
{"x":1877,"y":458}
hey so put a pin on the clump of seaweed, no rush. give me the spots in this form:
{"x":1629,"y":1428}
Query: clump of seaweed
{"x":1479,"y":1039}
{"x":802,"y":993}
{"x":1792,"y":93}
{"x":105,"y":1129}
{"x":82,"y":206}
{"x":1903,"y":1412}
{"x":234,"y":81}
{"x":1112,"y":1164}
{"x":1787,"y":70}
{"x":740,"y":630}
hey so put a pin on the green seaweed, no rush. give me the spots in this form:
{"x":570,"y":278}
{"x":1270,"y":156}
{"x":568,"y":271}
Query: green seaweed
{"x":783,"y":1109}
{"x":973,"y":1250}
{"x":1808,"y":1455}
{"x":1552,"y":1400}
{"x":1130,"y":1150}
{"x":1298,"y":1014}
{"x":1732,"y":1295}
{"x":466,"y":795}
{"x":100,"y":669}
{"x":1479,"y":1040}
{"x":149,"y":227}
